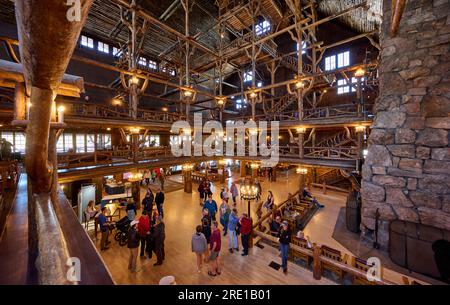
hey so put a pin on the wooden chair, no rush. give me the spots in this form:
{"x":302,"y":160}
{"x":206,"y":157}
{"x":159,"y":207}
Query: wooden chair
{"x":361,"y":264}
{"x":334,"y":255}
{"x":302,"y":243}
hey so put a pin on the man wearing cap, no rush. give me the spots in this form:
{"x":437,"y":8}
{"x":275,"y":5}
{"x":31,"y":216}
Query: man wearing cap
{"x":133,"y":245}
{"x":284,"y":238}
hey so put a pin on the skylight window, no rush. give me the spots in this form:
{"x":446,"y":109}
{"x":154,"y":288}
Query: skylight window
{"x":87,"y":42}
{"x":263,"y":27}
{"x":103,"y":47}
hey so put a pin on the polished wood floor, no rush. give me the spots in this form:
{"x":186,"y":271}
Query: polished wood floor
{"x":183,"y":214}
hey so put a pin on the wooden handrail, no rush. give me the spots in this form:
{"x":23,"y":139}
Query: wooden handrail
{"x":320,"y":258}
{"x":331,"y":187}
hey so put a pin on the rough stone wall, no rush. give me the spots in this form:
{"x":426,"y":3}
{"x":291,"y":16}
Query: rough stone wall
{"x":406,"y":174}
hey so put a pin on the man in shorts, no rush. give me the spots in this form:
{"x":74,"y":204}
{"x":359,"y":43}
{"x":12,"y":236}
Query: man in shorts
{"x":214,"y":245}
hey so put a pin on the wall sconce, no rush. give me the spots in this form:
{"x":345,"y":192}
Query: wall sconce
{"x":360,"y":128}
{"x":254,"y":166}
{"x":165,"y":109}
{"x":188,"y":167}
{"x":116,"y":102}
{"x":301,"y":170}
{"x":135,"y":130}
{"x":187,"y":131}
{"x":61,"y":110}
{"x":134,"y":80}
{"x":301,"y":129}
{"x":360,"y":72}
{"x":108,"y":129}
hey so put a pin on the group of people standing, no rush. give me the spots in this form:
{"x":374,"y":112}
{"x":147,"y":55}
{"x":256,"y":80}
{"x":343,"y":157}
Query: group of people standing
{"x":153,"y":175}
{"x":148,"y":231}
{"x":207,"y":239}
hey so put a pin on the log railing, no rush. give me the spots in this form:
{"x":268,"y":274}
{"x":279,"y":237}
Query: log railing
{"x":319,"y":259}
{"x":335,"y":153}
{"x":118,"y":112}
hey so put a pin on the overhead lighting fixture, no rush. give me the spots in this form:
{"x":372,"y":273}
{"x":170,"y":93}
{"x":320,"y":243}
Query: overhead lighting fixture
{"x":301,"y":170}
{"x":360,"y":72}
{"x":135,"y":130}
{"x":108,"y":128}
{"x":61,"y":108}
{"x":165,"y":109}
{"x":134,"y":80}
{"x":300,"y":85}
{"x":360,"y":128}
{"x":301,"y":129}
{"x":116,"y":102}
{"x":221,"y":101}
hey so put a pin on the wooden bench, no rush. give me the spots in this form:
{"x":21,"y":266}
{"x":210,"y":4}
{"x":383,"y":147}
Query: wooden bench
{"x":302,"y":243}
{"x":362,"y":265}
{"x":334,"y":255}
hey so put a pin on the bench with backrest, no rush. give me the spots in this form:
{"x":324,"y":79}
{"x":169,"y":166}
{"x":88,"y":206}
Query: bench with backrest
{"x":302,"y":243}
{"x":362,"y":265}
{"x":334,"y":255}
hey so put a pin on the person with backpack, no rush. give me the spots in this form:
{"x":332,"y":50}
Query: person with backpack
{"x":232,"y":225}
{"x":199,"y":246}
{"x":133,"y":245}
{"x":206,"y":228}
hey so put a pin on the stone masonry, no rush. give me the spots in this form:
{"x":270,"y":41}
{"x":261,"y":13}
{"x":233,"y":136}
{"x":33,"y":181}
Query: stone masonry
{"x":406,"y":174}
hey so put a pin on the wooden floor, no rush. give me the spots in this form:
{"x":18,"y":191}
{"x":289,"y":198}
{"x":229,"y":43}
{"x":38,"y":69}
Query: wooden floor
{"x":182,"y":214}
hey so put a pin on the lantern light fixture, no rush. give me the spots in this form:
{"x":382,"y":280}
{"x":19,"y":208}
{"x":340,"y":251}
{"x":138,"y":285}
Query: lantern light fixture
{"x":360,"y":72}
{"x":301,"y":170}
{"x":301,"y":129}
{"x":360,"y":128}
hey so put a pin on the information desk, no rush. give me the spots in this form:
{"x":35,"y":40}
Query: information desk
{"x":113,"y":188}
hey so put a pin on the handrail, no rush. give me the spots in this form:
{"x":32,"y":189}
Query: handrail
{"x":318,"y":259}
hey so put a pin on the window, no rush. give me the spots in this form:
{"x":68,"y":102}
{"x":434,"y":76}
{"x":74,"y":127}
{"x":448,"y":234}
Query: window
{"x":117,"y":52}
{"x":303,"y":47}
{"x":263,"y":27}
{"x":103,"y":47}
{"x":90,"y":143}
{"x":142,"y":61}
{"x":343,"y":59}
{"x":65,"y":143}
{"x":17,"y":139}
{"x":154,"y":140}
{"x":248,"y":76}
{"x":152,"y":65}
{"x":354,"y":81}
{"x":330,"y":63}
{"x":240,"y":104}
{"x":80,"y":144}
{"x":87,"y":42}
{"x":103,"y":141}
{"x":343,"y":87}
{"x":259,"y":84}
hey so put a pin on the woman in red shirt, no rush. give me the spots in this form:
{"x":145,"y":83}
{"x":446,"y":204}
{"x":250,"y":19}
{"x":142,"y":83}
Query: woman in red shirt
{"x":144,"y":231}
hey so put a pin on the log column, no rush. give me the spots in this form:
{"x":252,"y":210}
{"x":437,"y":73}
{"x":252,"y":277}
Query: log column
{"x":20,"y":102}
{"x":187,"y":175}
{"x":42,"y":25}
{"x":243,"y":169}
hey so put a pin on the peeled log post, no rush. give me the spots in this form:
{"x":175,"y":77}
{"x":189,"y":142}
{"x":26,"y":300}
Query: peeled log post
{"x":398,"y":7}
{"x":47,"y":40}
